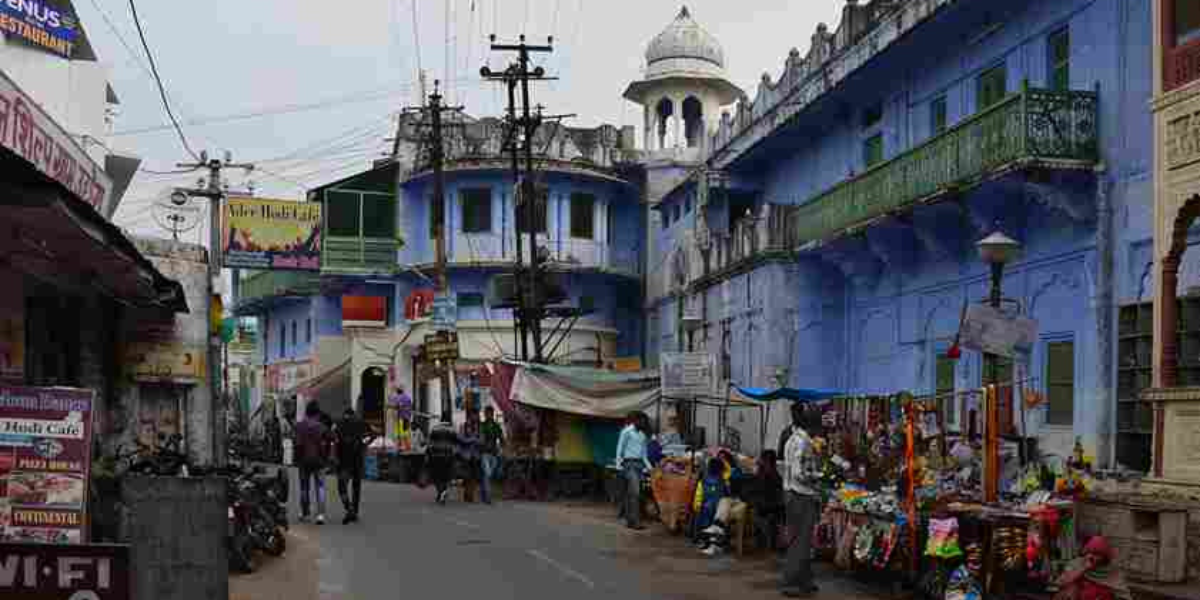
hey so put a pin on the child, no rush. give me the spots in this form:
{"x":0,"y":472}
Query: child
{"x":709,"y":492}
{"x":1093,"y":576}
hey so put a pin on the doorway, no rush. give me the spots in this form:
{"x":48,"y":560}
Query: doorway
{"x":373,"y":389}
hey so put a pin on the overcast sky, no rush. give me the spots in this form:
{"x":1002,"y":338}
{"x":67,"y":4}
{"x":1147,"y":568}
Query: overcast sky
{"x":357,"y":60}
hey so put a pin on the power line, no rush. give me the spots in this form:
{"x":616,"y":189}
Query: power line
{"x":162,"y":92}
{"x":133,"y":56}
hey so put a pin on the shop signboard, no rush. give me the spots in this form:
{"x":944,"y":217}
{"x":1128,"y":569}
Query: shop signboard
{"x":78,"y":572}
{"x":41,"y":23}
{"x":686,"y":374}
{"x":445,"y":312}
{"x":990,"y":330}
{"x":27,"y":131}
{"x":171,"y":362}
{"x":627,"y":364}
{"x":45,"y":464}
{"x":271,"y":235}
{"x":364,"y":311}
{"x":441,"y":346}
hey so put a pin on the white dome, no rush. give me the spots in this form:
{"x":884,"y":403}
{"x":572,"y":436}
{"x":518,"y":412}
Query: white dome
{"x":685,"y":44}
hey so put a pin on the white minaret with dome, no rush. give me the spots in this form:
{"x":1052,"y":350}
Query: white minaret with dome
{"x":684,"y":87}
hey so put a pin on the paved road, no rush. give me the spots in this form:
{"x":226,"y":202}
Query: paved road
{"x":406,"y":546}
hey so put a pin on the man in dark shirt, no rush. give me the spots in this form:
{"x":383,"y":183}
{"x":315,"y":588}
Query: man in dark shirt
{"x":353,"y":435}
{"x":493,"y":440}
{"x":312,"y":455}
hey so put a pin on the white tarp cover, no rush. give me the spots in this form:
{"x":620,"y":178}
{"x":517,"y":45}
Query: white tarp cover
{"x":584,"y":391}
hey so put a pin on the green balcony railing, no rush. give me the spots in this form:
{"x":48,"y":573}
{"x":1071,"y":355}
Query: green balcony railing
{"x":1029,"y":125}
{"x":359,"y":255}
{"x":267,"y":284}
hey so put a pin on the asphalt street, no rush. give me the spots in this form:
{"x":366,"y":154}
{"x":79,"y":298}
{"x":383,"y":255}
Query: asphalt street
{"x":407,"y":546}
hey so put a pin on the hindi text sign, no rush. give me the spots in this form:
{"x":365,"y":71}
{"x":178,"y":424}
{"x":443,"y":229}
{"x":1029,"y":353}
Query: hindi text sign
{"x":686,"y":374}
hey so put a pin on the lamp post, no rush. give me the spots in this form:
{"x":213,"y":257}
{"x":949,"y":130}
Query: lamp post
{"x":996,"y":250}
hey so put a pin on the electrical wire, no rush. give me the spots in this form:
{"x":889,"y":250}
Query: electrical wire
{"x":162,"y":92}
{"x":112,"y":28}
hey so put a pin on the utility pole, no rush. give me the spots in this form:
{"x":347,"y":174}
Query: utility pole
{"x":215,"y":193}
{"x":530,"y":309}
{"x":437,"y":157}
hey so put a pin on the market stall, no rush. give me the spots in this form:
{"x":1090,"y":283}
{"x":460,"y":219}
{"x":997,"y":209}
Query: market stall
{"x":951,"y":512}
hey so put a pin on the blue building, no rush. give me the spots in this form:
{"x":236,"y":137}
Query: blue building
{"x":827,"y":238}
{"x":352,"y":332}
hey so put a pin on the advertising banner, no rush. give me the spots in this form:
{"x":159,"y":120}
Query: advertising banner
{"x":266,"y":234}
{"x":46,"y":572}
{"x":169,"y":362}
{"x":686,"y":374}
{"x":27,"y":131}
{"x":45,"y":462}
{"x":40,"y":24}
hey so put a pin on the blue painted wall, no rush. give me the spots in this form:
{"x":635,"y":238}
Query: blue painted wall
{"x":881,"y":335}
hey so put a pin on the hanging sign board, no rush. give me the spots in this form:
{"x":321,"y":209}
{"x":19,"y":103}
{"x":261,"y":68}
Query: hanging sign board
{"x":50,"y":572}
{"x":39,"y":23}
{"x":686,"y":374}
{"x":441,"y":346}
{"x":45,"y":462}
{"x":989,"y":330}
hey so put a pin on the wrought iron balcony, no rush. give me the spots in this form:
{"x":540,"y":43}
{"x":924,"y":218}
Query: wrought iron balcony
{"x":268,"y":284}
{"x":1029,"y":127}
{"x":361,"y":255}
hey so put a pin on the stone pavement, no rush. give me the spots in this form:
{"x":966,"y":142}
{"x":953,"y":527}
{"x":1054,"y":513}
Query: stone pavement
{"x":293,"y":576}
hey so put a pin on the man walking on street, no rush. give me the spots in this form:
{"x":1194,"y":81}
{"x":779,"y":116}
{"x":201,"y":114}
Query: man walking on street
{"x":800,"y":484}
{"x":353,"y":437}
{"x":493,"y":441}
{"x":632,"y":458}
{"x":312,"y":456}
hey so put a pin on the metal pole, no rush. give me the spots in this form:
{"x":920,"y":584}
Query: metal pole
{"x":439,"y":195}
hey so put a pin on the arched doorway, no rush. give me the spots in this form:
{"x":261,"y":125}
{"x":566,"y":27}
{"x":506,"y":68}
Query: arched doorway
{"x":664,"y":112}
{"x":373,"y":389}
{"x":1166,"y":307}
{"x":693,"y":121}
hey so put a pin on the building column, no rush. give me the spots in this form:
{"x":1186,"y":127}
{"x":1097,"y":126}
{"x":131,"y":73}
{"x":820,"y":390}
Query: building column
{"x":680,"y":134}
{"x":648,"y":128}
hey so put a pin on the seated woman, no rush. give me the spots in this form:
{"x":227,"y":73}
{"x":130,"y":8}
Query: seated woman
{"x":710,"y":491}
{"x":764,"y":493}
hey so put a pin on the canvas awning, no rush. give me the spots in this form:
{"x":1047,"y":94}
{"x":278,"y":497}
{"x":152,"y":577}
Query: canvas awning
{"x":584,"y":391}
{"x":793,"y":394}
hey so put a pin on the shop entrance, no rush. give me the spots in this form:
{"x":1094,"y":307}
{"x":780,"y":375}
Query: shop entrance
{"x":373,"y":389}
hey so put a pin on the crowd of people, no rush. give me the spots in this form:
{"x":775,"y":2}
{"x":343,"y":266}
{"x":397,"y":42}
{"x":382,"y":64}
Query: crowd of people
{"x":781,"y":492}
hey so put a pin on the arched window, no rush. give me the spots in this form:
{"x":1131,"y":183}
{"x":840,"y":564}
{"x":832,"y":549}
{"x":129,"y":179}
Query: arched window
{"x":693,"y":121}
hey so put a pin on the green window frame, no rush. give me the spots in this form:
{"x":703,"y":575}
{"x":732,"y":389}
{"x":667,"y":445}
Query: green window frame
{"x":937,"y":115}
{"x":944,"y":389}
{"x":476,"y":209}
{"x":583,"y":216}
{"x":873,"y":150}
{"x":1058,"y":47}
{"x":991,"y":86}
{"x":356,"y":214}
{"x":470,"y":300}
{"x":1060,"y":382}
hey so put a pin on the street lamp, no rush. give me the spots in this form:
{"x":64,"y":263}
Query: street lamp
{"x":997,"y":250}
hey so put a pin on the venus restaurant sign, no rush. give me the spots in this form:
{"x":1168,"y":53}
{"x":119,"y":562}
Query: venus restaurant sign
{"x":40,"y":24}
{"x":27,"y":131}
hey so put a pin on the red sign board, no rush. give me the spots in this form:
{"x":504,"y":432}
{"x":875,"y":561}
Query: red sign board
{"x":45,"y":462}
{"x":364,"y":311}
{"x":50,"y":572}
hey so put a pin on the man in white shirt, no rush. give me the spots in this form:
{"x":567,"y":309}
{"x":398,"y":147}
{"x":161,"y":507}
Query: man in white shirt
{"x":633,"y":461}
{"x":800,"y":483}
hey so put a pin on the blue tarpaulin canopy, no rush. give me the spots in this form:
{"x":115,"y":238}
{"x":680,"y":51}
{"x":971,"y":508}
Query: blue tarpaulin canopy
{"x":793,"y":394}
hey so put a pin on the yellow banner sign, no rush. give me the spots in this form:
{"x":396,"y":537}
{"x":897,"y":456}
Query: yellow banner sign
{"x":165,"y":362}
{"x":631,"y":364}
{"x":272,"y":234}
